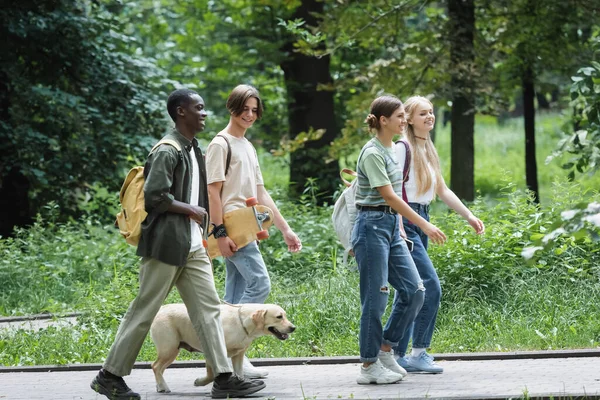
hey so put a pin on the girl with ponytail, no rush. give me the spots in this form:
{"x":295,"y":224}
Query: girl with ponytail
{"x":382,"y":255}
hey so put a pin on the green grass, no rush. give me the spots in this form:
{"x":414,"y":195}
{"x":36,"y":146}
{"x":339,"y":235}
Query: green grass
{"x":553,"y":314}
{"x":543,"y":313}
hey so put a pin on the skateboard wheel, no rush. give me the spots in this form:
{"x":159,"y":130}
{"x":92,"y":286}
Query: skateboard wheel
{"x":262,"y":235}
{"x":251,"y":201}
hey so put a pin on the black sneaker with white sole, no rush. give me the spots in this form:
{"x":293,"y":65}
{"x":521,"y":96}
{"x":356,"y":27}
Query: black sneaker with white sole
{"x":232,"y":386}
{"x":113,"y":387}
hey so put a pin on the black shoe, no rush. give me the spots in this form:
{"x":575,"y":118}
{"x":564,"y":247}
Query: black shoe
{"x":235,"y":387}
{"x":113,"y":387}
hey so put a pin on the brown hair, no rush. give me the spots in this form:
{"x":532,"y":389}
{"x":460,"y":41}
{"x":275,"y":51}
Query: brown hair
{"x":423,"y":156}
{"x":238,"y":97}
{"x":383,"y":106}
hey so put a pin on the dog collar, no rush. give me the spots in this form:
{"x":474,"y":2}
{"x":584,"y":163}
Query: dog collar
{"x":241,"y":321}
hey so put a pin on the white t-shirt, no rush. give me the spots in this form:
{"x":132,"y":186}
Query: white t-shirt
{"x":244,"y":173}
{"x":196,"y":229}
{"x":411,"y":185}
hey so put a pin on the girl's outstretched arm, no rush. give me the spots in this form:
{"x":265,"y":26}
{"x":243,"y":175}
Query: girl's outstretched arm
{"x":454,"y":203}
{"x":391,"y":198}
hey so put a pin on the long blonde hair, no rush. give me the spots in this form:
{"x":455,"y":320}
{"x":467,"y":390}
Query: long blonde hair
{"x":422,"y":155}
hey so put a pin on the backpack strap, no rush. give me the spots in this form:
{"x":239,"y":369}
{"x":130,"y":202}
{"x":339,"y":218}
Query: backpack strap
{"x":166,"y":141}
{"x":228,"y":161}
{"x":347,"y":171}
{"x":406,"y":169}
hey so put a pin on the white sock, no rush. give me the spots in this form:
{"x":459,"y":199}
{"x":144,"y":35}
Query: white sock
{"x":416,"y":352}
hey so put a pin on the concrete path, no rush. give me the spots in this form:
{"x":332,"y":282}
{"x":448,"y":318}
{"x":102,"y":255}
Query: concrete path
{"x":37,"y":322}
{"x":574,"y":377}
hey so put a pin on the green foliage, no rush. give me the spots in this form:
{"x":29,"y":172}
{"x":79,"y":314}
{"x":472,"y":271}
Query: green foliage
{"x":581,"y":222}
{"x":547,"y":36}
{"x":493,"y":300}
{"x":77,"y":107}
{"x":479,"y":265}
{"x":52,"y":266}
{"x":584,"y":144}
{"x":212,"y":47}
{"x":83,"y":87}
{"x":550,"y":37}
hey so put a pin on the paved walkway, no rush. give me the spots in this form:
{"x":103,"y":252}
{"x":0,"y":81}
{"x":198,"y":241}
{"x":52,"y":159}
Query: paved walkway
{"x":575,"y":377}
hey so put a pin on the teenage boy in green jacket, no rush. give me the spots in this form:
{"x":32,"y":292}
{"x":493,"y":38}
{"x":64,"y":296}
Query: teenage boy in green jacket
{"x":176,"y":199}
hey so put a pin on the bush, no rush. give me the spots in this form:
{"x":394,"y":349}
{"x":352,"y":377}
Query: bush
{"x":493,"y":299}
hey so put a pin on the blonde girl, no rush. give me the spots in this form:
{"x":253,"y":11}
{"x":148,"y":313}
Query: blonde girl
{"x":424,"y":182}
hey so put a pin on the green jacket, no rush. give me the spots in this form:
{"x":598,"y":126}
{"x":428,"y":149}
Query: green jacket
{"x":166,"y":236}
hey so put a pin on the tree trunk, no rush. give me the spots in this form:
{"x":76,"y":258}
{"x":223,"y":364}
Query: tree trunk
{"x":529,"y":116}
{"x":543,"y":102}
{"x":462,"y":56}
{"x":14,"y":202}
{"x":310,"y":107}
{"x":14,"y":186}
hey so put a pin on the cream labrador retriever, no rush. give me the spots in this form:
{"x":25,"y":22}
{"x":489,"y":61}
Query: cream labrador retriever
{"x":172,"y":330}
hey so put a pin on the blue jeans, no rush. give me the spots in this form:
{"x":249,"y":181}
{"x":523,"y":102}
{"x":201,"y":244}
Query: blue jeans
{"x":382,"y":257}
{"x":247,"y":279}
{"x":422,"y":329}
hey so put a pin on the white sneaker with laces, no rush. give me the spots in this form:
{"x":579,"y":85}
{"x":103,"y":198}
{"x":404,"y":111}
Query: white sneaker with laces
{"x":388,"y":360}
{"x":251,"y":372}
{"x":378,"y":374}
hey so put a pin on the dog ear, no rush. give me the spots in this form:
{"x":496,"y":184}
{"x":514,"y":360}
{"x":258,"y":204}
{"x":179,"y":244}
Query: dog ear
{"x":259,"y":318}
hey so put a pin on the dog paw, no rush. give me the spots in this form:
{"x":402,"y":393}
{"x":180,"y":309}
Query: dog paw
{"x":163,"y":390}
{"x":201,"y":381}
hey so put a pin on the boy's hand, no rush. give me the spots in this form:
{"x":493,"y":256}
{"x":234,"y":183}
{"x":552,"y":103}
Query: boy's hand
{"x":227,"y":246}
{"x":292,"y":240}
{"x":197,"y":213}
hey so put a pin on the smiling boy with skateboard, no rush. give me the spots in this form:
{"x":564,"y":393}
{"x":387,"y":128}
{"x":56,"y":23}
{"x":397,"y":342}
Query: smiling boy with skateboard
{"x":234,"y":175}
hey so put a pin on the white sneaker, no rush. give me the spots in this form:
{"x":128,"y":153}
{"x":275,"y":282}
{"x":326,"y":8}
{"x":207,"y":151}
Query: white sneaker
{"x":251,"y":372}
{"x":378,"y":374}
{"x":389,"y":361}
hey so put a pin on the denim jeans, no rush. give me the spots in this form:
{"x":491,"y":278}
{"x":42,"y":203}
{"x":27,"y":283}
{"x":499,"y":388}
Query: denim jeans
{"x":382,"y":257}
{"x":247,"y":279}
{"x":422,"y":329}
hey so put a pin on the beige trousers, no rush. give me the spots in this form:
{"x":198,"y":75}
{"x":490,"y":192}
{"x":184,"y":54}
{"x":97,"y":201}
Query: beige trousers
{"x":196,"y":285}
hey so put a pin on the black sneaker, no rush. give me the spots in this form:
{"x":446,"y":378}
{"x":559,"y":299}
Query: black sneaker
{"x":235,"y":387}
{"x":113,"y":387}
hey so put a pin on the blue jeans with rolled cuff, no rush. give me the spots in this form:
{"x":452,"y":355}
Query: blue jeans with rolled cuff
{"x":382,"y":256}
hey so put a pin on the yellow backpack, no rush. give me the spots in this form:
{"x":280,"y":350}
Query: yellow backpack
{"x":133,"y":212}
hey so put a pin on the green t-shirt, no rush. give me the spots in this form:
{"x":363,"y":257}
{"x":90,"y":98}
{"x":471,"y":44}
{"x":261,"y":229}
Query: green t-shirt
{"x":377,"y":166}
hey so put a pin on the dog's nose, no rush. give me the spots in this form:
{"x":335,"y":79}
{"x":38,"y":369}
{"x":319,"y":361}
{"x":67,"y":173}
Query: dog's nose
{"x":292,"y":328}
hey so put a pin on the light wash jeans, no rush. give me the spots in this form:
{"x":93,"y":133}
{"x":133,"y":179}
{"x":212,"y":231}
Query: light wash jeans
{"x":422,"y":329}
{"x":382,"y":257}
{"x":247,"y":279}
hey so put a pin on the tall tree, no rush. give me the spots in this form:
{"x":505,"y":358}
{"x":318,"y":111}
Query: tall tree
{"x":242,"y":41}
{"x":528,"y":84}
{"x":311,"y":107}
{"x":461,"y":15}
{"x":534,"y":40}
